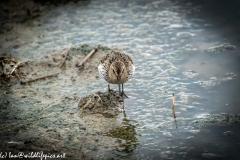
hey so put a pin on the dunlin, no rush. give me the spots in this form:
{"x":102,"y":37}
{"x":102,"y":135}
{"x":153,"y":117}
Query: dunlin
{"x":116,"y":68}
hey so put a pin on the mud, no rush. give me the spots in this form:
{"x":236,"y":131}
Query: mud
{"x":105,"y":103}
{"x":55,"y":63}
{"x":40,"y":115}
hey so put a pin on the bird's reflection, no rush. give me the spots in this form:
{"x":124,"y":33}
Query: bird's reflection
{"x":126,"y":134}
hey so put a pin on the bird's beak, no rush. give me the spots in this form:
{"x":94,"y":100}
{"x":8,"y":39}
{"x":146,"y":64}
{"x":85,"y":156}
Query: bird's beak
{"x":119,"y":82}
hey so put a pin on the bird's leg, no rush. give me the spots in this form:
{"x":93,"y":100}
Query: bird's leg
{"x":109,"y":87}
{"x":119,"y":86}
{"x":123,"y":94}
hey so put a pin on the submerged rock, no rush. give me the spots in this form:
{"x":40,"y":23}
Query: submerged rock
{"x":217,"y":119}
{"x":221,"y":48}
{"x":105,"y":103}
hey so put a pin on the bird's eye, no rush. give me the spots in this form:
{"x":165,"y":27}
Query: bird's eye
{"x":113,"y":71}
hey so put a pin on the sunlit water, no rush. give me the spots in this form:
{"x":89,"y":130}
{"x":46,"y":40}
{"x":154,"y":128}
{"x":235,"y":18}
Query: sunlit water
{"x":166,"y":41}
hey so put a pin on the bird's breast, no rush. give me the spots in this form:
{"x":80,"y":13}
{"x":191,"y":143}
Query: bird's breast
{"x":114,"y":80}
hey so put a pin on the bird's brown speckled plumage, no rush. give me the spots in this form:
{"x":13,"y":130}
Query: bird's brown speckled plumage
{"x":116,"y":64}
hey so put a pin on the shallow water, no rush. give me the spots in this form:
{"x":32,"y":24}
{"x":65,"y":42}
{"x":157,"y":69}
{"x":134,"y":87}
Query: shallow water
{"x":169,"y":42}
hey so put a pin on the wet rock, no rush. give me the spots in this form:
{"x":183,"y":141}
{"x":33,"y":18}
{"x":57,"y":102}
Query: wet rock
{"x":220,"y":48}
{"x":105,"y":103}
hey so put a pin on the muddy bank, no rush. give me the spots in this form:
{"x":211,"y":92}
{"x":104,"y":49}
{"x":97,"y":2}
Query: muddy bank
{"x":43,"y":115}
{"x":63,"y":62}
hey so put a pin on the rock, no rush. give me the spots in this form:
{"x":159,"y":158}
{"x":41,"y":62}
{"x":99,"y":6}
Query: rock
{"x":221,"y":48}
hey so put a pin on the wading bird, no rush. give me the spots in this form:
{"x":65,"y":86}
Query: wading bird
{"x":116,"y":68}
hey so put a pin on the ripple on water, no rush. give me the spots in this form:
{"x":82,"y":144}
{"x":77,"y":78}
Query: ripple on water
{"x":184,"y":34}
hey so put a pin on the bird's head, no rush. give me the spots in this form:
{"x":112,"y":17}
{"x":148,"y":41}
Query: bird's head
{"x":117,"y":70}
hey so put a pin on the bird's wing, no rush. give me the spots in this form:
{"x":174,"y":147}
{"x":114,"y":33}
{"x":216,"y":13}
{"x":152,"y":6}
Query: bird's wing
{"x":102,"y":70}
{"x":131,"y":70}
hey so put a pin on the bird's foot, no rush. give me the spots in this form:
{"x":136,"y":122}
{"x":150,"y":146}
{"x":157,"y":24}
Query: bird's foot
{"x":123,"y":95}
{"x":110,"y":91}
